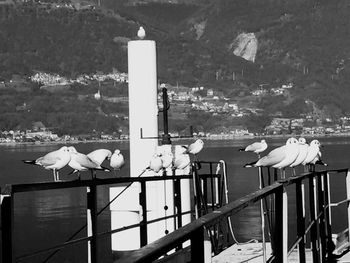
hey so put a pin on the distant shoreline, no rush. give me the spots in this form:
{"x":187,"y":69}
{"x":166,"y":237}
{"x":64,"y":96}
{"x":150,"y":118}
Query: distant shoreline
{"x":38,"y":143}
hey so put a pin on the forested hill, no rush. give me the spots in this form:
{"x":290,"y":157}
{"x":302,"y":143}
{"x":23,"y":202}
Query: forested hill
{"x":304,"y":42}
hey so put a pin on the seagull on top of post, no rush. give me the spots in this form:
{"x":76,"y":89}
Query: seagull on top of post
{"x":141,"y":33}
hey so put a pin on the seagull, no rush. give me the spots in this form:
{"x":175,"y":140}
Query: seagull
{"x":54,"y":161}
{"x":181,"y":161}
{"x":99,"y":155}
{"x":303,"y":150}
{"x":279,"y":157}
{"x":313,"y":151}
{"x":117,"y":160}
{"x":167,"y":160}
{"x":291,"y":153}
{"x":141,"y":33}
{"x":81,"y":162}
{"x":155,"y":163}
{"x":314,"y":154}
{"x":256,"y":147}
{"x":195,"y":147}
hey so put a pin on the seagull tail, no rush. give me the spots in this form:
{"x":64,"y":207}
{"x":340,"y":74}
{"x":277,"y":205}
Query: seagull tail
{"x":29,"y":161}
{"x":241,"y":150}
{"x":250,"y":164}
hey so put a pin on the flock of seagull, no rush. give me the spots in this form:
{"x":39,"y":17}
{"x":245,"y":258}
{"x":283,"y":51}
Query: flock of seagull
{"x":294,"y":153}
{"x":80,"y":162}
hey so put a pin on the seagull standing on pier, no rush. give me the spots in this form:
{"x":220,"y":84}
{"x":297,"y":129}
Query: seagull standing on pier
{"x":256,"y":147}
{"x":117,"y":160}
{"x":81,"y":162}
{"x":99,"y":155}
{"x":54,"y":161}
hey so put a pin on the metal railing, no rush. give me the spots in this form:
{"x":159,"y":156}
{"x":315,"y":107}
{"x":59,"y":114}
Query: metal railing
{"x":318,"y":228}
{"x":8,"y":196}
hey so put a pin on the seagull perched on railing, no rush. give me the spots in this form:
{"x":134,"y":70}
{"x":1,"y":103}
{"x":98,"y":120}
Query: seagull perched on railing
{"x":99,"y":155}
{"x":54,"y":161}
{"x":256,"y":147}
{"x":303,"y":149}
{"x":314,"y":154}
{"x":81,"y":162}
{"x":117,"y":160}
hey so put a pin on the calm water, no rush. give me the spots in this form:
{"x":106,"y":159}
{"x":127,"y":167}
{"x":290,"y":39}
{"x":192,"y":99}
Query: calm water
{"x":46,"y":218}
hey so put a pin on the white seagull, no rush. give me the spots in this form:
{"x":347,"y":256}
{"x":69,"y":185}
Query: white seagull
{"x":195,"y":147}
{"x":279,"y":157}
{"x":314,"y":154}
{"x":117,"y":160}
{"x":291,"y":153}
{"x":99,"y":155}
{"x":181,"y":161}
{"x":141,"y":33}
{"x":54,"y":161}
{"x":303,"y":150}
{"x":155,"y":163}
{"x":167,"y":160}
{"x":256,"y":147}
{"x":313,"y":151}
{"x":81,"y":162}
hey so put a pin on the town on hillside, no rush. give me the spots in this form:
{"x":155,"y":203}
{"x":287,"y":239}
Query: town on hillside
{"x":183,"y":100}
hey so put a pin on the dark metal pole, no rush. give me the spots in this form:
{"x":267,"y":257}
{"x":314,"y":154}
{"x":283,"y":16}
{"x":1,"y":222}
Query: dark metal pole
{"x":166,"y":135}
{"x":7,"y":229}
{"x":143,"y":226}
{"x":300,"y":221}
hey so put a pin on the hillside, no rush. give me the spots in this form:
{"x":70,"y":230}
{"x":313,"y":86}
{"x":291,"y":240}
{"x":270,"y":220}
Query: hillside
{"x":301,"y":42}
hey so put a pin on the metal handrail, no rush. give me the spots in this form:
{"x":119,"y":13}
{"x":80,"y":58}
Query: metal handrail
{"x":196,"y":230}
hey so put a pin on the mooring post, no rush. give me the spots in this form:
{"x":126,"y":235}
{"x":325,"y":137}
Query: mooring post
{"x":7,"y":222}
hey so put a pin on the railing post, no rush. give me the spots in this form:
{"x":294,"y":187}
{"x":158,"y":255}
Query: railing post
{"x":300,"y":203}
{"x":92,"y":222}
{"x":313,"y":233}
{"x":327,"y":211}
{"x":281,"y":227}
{"x":7,"y":219}
{"x":321,"y":209}
{"x":348,"y":204}
{"x":197,"y":245}
{"x":143,"y":225}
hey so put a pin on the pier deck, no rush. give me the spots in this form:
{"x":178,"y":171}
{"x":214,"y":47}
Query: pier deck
{"x":252,"y":253}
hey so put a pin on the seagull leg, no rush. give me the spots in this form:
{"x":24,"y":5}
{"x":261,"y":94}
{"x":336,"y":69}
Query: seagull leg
{"x":57,"y":176}
{"x":54,"y":175}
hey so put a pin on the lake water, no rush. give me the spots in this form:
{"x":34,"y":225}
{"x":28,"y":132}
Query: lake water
{"x":46,"y":218}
